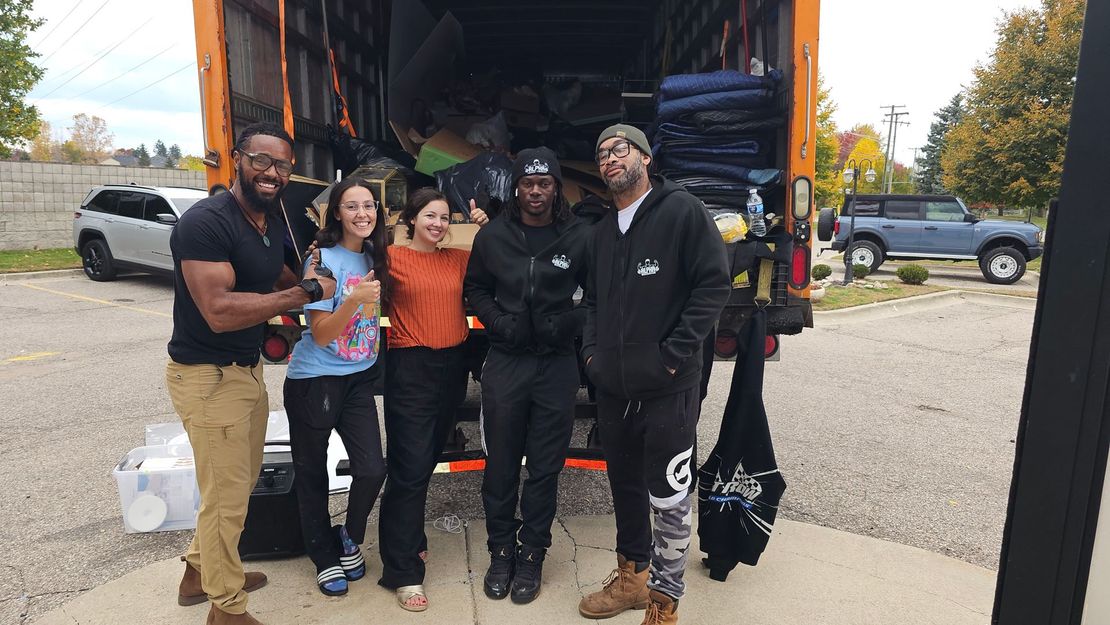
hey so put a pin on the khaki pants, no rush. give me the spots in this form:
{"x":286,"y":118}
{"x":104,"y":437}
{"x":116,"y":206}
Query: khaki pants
{"x":224,"y":410}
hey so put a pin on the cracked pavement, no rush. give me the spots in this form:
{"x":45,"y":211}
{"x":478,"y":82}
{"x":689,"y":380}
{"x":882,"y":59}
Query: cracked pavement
{"x":898,"y":428}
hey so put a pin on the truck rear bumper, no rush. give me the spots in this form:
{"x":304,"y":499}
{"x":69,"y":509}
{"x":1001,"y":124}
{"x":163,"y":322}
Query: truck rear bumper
{"x":838,"y":246}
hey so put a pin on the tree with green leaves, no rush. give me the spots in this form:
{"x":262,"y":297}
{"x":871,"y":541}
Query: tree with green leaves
{"x":827,"y":186}
{"x":1008,"y":148}
{"x":142,"y":155}
{"x":930,"y":172}
{"x":19,"y":122}
{"x":173,"y":156}
{"x":160,"y":149}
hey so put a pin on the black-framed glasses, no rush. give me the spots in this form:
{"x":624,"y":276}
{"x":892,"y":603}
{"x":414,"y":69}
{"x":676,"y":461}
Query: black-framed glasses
{"x":262,"y":162}
{"x":619,"y":150}
{"x":353,"y":207}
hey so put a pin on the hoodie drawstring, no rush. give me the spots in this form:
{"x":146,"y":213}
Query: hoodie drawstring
{"x":628,"y":409}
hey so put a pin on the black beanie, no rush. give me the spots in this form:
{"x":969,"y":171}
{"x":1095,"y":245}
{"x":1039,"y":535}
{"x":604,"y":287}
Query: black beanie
{"x":536,"y":162}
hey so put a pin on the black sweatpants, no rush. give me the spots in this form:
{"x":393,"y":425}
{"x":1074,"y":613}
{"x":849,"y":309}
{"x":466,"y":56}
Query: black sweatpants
{"x":424,"y":388}
{"x":527,"y":410}
{"x":649,"y":447}
{"x":315,"y":407}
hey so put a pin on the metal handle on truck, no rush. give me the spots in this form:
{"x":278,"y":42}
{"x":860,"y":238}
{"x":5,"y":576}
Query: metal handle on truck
{"x":809,"y":97}
{"x":211,"y":157}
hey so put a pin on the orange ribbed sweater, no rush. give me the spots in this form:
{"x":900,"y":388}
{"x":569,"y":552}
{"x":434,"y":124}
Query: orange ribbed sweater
{"x":427,"y":309}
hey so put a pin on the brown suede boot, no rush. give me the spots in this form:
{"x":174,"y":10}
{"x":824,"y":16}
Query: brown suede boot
{"x":189,"y":591}
{"x":625,"y":589}
{"x":217,"y":616}
{"x":661,"y":611}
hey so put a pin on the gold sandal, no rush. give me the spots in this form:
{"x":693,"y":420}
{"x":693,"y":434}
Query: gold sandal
{"x":405,"y":594}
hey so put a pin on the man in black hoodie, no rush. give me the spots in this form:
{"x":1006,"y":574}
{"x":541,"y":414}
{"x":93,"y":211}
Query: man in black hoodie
{"x":525,"y":267}
{"x":658,"y":281}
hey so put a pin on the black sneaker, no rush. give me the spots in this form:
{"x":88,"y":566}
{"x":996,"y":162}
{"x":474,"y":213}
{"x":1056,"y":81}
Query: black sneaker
{"x":529,"y":573}
{"x":500,"y":573}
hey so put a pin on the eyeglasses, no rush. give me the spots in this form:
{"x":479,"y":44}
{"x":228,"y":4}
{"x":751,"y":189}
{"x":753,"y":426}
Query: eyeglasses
{"x":262,"y":162}
{"x":619,"y":150}
{"x":353,"y":207}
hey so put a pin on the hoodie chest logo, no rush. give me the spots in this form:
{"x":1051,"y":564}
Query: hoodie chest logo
{"x":647,"y":267}
{"x":561,"y":261}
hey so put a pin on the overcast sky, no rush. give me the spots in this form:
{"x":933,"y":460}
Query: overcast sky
{"x":917,"y":53}
{"x":912,"y":52}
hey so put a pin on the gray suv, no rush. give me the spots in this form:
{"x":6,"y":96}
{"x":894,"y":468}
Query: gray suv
{"x":939,"y":227}
{"x":128,"y":227}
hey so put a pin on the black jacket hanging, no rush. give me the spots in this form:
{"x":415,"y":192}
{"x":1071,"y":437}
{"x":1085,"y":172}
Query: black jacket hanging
{"x":739,"y":486}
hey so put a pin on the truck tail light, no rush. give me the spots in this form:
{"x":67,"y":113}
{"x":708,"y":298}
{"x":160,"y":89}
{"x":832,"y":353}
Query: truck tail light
{"x":727,"y":344}
{"x":802,"y":207}
{"x":836,"y":226}
{"x":275,"y":348}
{"x":76,"y":214}
{"x":770,"y":345}
{"x":799,"y":267}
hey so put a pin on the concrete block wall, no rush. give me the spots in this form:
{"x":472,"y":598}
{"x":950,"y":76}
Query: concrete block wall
{"x":37,"y":200}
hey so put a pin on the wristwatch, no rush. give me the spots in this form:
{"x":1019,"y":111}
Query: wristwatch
{"x":313,"y":288}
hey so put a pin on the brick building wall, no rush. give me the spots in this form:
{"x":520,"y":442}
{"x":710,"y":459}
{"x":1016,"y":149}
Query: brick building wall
{"x":37,"y":200}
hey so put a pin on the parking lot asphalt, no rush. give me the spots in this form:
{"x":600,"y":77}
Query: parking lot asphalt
{"x":899,"y":428}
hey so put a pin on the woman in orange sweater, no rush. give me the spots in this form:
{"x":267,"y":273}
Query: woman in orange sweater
{"x":425,"y":376}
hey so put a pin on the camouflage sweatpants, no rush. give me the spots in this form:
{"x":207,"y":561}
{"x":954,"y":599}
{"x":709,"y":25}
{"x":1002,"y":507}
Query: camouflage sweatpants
{"x":649,"y":448}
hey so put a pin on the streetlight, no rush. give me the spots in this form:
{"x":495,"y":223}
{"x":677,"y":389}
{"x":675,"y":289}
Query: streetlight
{"x":851,"y":176}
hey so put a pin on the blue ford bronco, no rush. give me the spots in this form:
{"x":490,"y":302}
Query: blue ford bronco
{"x":913,"y":227}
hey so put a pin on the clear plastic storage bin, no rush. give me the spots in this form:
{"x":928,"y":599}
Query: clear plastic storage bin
{"x":158,"y":489}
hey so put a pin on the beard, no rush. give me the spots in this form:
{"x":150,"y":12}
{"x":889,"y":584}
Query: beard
{"x":629,"y":179}
{"x":256,"y":202}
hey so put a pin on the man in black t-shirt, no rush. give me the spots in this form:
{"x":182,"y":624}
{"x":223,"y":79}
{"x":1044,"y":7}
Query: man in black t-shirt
{"x":524,"y":269}
{"x":229,"y":278}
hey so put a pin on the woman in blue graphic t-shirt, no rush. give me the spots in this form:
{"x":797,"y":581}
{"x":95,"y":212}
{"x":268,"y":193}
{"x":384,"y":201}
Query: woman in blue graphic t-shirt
{"x":329,"y":384}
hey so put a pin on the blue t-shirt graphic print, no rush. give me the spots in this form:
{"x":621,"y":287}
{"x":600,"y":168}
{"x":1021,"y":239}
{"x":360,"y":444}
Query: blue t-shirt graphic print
{"x":356,"y":348}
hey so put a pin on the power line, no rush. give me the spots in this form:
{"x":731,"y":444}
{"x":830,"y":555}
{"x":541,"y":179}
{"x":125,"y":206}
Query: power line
{"x":79,"y":29}
{"x":166,"y":77}
{"x":58,"y":23}
{"x":108,"y":82}
{"x":97,"y":59}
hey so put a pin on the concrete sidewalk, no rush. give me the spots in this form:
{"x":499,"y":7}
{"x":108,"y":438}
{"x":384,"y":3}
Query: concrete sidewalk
{"x":809,"y":575}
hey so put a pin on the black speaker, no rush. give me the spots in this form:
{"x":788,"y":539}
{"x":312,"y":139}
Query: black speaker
{"x":273,"y":525}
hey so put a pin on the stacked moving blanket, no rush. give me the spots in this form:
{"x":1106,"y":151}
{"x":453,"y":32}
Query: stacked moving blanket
{"x":715,"y":134}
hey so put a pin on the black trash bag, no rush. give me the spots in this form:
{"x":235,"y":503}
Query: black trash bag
{"x":351,"y":152}
{"x":486,"y":179}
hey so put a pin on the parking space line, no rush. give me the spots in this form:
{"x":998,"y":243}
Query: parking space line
{"x":34,"y":356}
{"x":97,"y":301}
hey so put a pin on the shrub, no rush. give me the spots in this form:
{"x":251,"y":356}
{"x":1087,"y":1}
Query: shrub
{"x":860,"y":271}
{"x":820,"y":272}
{"x":913,"y":274}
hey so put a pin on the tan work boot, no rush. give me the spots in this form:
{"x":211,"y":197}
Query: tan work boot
{"x":625,"y":589}
{"x":661,"y":611}
{"x":190,"y":592}
{"x":217,"y":616}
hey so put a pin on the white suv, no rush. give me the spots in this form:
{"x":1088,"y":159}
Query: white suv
{"x":128,"y":227}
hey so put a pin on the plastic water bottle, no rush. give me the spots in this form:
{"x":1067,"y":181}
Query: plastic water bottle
{"x":755,"y":214}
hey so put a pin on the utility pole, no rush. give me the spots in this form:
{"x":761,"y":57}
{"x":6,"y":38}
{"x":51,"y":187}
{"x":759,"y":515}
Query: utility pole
{"x":893,"y":148}
{"x":893,"y":118}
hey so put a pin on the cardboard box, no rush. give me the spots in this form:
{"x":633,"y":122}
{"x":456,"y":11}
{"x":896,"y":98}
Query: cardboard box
{"x":459,"y":236}
{"x":514,"y":100}
{"x":443,"y":150}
